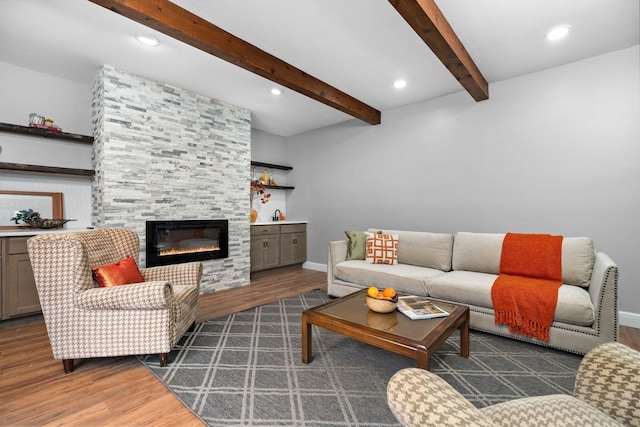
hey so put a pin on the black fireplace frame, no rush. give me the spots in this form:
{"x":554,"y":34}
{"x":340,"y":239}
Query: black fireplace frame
{"x":154,"y":260}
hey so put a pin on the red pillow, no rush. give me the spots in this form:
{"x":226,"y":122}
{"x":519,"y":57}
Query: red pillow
{"x":122,"y":272}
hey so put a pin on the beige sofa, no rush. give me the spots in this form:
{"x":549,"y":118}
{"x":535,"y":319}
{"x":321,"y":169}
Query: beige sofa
{"x":462,"y":268}
{"x":606,"y":393}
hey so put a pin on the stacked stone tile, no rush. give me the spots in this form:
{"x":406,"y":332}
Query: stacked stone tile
{"x":164,"y":153}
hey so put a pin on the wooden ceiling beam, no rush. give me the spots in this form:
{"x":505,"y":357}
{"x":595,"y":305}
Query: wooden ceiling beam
{"x":429,"y":23}
{"x":179,"y":23}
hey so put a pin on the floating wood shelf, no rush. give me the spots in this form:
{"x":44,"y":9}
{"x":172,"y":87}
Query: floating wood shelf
{"x":46,"y":169}
{"x":271,"y":166}
{"x":280,"y":187}
{"x":33,"y":131}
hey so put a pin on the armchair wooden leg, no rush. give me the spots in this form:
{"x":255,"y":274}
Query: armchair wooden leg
{"x":164,"y":359}
{"x":67,"y":364}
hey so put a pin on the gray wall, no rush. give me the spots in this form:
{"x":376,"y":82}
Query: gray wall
{"x":268,"y":148}
{"x":552,"y":152}
{"x":556,"y":151}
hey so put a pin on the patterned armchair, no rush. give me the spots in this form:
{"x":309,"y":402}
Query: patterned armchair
{"x":606,"y":393}
{"x":85,"y":321}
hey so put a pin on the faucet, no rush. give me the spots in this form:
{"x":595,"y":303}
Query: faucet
{"x":276,"y":215}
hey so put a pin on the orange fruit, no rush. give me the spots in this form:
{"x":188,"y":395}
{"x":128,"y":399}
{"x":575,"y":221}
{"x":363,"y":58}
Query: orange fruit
{"x":380,"y":295}
{"x":389,"y":293}
{"x":373,"y":291}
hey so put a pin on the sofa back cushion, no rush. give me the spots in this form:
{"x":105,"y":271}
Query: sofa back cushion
{"x":481,"y":252}
{"x":424,"y":249}
{"x":578,"y":257}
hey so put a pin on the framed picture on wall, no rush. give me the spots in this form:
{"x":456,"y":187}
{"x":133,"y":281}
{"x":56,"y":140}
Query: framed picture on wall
{"x":49,"y":205}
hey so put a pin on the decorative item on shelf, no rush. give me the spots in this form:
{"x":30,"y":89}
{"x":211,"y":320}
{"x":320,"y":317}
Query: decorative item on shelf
{"x":41,"y":122}
{"x":36,"y":119}
{"x":265,"y":178}
{"x":257,"y":189}
{"x":33,"y":220}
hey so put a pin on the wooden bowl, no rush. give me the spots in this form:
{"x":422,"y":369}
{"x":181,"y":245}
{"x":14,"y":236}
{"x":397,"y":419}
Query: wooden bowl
{"x":380,"y":305}
{"x":44,"y":223}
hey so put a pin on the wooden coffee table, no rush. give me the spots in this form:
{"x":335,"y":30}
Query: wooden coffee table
{"x":418,"y":339}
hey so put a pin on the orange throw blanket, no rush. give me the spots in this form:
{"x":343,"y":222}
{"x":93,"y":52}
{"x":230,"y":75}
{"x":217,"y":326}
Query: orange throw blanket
{"x":525,"y":293}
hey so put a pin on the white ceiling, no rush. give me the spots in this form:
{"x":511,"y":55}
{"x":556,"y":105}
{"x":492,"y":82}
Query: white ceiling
{"x":358,"y":46}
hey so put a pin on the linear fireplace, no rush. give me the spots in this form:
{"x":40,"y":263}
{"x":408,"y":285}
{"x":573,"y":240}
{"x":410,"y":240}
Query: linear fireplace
{"x":174,"y":242}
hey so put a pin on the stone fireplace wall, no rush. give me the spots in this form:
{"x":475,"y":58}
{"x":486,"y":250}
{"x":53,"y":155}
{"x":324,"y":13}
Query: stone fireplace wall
{"x":163,"y":153}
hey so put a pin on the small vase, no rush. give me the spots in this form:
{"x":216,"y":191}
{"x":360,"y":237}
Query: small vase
{"x":254,"y":215}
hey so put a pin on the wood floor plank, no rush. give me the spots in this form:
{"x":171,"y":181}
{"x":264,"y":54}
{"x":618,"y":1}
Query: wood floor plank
{"x":120,"y":391}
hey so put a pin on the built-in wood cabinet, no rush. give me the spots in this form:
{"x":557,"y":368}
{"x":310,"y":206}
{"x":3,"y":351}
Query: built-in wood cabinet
{"x":18,"y":293}
{"x":293,"y":244}
{"x":265,"y":247}
{"x":280,"y":245}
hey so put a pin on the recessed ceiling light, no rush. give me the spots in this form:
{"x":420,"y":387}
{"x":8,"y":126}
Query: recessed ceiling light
{"x":399,"y":84}
{"x":276,"y":91}
{"x":147,"y":39}
{"x":559,"y":32}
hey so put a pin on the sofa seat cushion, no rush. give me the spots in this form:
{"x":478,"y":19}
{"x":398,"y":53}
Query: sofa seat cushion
{"x":405,"y":278}
{"x":186,"y":306}
{"x":467,"y":287}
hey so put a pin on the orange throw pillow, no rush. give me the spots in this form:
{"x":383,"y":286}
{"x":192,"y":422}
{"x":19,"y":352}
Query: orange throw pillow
{"x":123,"y":272}
{"x":381,"y":248}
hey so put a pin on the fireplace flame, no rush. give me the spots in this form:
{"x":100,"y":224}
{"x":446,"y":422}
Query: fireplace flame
{"x":188,"y":250}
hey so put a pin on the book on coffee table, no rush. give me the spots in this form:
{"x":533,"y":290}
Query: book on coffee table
{"x":416,"y":308}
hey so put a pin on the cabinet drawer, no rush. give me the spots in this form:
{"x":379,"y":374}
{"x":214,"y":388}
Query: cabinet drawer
{"x":18,"y":245}
{"x":293,"y":228}
{"x":257,"y":230}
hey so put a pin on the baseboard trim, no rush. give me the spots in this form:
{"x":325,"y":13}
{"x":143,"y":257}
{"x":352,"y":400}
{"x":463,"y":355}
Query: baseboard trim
{"x":315,"y":266}
{"x":629,"y":319}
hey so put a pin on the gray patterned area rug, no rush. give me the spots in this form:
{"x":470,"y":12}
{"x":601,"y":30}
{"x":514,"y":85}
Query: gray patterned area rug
{"x":246,"y":370}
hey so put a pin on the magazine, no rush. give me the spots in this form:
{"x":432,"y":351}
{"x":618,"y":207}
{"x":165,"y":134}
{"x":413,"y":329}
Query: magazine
{"x":415,"y":308}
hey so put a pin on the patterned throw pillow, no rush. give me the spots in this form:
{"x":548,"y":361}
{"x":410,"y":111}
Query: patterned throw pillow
{"x":123,"y":272}
{"x":382,"y":248}
{"x":356,"y":247}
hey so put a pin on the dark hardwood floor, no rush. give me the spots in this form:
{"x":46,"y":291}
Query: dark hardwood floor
{"x":120,"y":391}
